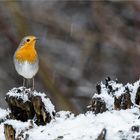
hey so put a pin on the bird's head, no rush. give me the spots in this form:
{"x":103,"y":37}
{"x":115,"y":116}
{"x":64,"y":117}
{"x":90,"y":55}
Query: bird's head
{"x":28,"y":41}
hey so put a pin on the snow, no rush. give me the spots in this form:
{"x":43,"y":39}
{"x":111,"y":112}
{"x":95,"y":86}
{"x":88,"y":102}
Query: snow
{"x":19,"y":93}
{"x":87,"y":126}
{"x":134,"y":89}
{"x":2,"y":132}
{"x":3,"y":113}
{"x":66,"y":126}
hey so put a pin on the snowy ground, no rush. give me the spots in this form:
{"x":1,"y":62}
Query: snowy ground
{"x":122,"y":124}
{"x":87,"y":127}
{"x":83,"y":127}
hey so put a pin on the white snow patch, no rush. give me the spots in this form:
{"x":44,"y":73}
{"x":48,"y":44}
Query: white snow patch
{"x":87,"y":127}
{"x":14,"y":92}
{"x":2,"y":137}
{"x":4,"y":113}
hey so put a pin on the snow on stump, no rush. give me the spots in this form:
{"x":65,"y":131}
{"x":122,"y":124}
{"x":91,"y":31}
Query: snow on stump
{"x":16,"y":130}
{"x":43,"y":107}
{"x":26,"y":104}
{"x":113,"y":95}
{"x":20,"y":104}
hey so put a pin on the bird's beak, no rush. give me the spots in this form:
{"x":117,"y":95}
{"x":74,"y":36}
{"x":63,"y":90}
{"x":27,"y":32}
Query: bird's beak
{"x":35,"y":39}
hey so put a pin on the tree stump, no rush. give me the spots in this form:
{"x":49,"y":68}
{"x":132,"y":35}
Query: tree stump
{"x":13,"y":131}
{"x":97,"y":105}
{"x":123,"y":101}
{"x":26,"y":104}
{"x":119,"y":95}
{"x":19,"y":102}
{"x":44,"y":114}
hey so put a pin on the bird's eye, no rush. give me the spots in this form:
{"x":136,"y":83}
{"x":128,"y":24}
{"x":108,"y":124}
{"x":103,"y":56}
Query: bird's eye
{"x":28,"y":40}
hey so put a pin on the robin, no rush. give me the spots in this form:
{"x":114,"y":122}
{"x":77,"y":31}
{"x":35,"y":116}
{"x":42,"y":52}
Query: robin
{"x":26,"y":59}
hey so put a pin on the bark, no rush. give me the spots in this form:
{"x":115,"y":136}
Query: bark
{"x":97,"y":105}
{"x":123,"y":101}
{"x":9,"y":132}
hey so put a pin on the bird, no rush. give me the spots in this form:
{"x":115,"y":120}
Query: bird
{"x":26,"y":59}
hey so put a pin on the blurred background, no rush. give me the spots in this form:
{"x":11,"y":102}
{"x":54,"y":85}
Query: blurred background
{"x":80,"y":43}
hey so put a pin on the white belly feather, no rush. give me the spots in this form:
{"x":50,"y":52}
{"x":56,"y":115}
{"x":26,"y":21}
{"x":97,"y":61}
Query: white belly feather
{"x":26,"y":69}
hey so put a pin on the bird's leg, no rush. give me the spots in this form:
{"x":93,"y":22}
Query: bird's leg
{"x":24,"y":82}
{"x":28,"y":83}
{"x":33,"y":82}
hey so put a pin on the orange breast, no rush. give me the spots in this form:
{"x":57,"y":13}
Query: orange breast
{"x":26,"y":54}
